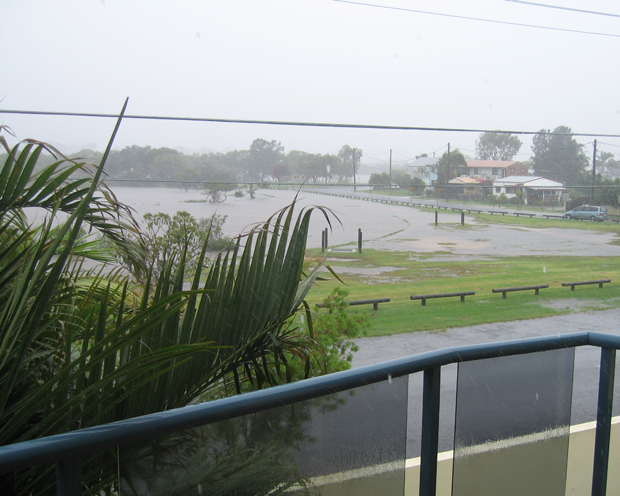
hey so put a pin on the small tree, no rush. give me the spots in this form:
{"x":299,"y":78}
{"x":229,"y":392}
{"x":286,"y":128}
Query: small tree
{"x":168,"y":237}
{"x":520,"y":199}
{"x":379,"y":179}
{"x":218,"y":192}
{"x":332,"y":350}
{"x":418,"y":186}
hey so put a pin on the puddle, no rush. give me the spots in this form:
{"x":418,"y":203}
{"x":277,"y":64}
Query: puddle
{"x":369,"y":271}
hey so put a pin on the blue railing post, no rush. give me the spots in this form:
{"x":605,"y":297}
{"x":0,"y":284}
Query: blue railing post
{"x":430,"y":431}
{"x":69,"y":477}
{"x":603,"y":421}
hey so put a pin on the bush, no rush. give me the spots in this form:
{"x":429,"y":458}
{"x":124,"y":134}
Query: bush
{"x":333,"y":332}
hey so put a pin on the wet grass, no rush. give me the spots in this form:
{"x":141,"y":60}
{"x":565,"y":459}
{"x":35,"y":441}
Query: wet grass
{"x":542,"y":223}
{"x":428,"y":274}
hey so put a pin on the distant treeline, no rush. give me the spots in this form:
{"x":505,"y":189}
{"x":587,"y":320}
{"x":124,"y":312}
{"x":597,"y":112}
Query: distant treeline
{"x":264,"y":161}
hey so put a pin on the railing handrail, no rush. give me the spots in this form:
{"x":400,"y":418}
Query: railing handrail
{"x":80,"y":442}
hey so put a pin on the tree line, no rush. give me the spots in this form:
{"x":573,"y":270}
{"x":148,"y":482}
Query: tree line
{"x":555,"y":155}
{"x":264,"y":161}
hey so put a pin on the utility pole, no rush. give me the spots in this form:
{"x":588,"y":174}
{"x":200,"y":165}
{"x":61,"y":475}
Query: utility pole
{"x":593,"y":172}
{"x":449,"y":172}
{"x":390,"y":171}
{"x":353,"y":160}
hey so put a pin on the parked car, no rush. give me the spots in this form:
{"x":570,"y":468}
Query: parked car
{"x":589,"y":212}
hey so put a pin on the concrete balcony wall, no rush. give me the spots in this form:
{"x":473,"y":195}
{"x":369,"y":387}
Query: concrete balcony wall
{"x":579,"y":469}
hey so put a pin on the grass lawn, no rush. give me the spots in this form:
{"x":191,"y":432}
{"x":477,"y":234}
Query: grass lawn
{"x":398,"y":275}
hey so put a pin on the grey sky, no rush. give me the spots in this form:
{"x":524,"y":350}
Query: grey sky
{"x":308,"y":60}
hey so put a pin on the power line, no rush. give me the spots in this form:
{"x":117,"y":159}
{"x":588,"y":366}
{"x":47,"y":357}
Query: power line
{"x":534,"y":4}
{"x":302,"y":124}
{"x":372,"y":155}
{"x":454,"y":16}
{"x":404,"y":156}
{"x":608,"y":144}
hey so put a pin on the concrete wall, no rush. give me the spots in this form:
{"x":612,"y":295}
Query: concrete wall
{"x":578,"y":473}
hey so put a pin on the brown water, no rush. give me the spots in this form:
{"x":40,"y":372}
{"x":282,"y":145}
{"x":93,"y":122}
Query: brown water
{"x":386,"y":227}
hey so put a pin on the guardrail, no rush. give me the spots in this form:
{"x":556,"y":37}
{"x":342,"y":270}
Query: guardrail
{"x":374,"y":302}
{"x":572,"y":285}
{"x":536,"y":289}
{"x":66,"y":449}
{"x":461,"y":294}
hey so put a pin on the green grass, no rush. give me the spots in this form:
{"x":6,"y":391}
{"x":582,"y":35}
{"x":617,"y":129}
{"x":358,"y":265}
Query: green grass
{"x":423,"y":274}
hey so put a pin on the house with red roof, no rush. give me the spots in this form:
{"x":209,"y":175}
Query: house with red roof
{"x":496,"y":169}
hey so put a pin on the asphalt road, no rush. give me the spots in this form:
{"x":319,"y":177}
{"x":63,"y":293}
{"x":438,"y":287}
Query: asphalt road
{"x":585,"y":385}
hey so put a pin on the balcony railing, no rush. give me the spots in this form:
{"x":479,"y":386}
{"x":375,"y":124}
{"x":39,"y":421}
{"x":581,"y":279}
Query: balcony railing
{"x":327,"y":434}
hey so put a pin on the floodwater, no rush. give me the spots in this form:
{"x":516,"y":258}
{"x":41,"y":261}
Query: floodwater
{"x":383,"y":226}
{"x":402,"y":228}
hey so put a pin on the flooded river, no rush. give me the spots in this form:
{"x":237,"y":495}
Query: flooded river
{"x":386,"y":227}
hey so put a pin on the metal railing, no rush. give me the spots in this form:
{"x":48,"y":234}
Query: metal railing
{"x":66,"y":449}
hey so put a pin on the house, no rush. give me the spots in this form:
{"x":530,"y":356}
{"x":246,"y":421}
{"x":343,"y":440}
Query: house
{"x":425,"y":168}
{"x":469,"y":186}
{"x":496,"y":169}
{"x":609,"y":171}
{"x":532,"y":187}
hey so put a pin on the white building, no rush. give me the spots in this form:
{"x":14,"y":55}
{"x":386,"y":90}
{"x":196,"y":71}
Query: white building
{"x":425,"y":168}
{"x":538,"y":187}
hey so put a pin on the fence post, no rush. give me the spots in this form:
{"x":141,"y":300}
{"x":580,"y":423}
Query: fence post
{"x":603,"y":422}
{"x":435,"y":217}
{"x":430,"y":431}
{"x":326,"y":244}
{"x":359,"y":240}
{"x":462,"y":218}
{"x":322,"y":241}
{"x":69,"y":477}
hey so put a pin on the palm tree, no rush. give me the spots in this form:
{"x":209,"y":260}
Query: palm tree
{"x":85,"y":347}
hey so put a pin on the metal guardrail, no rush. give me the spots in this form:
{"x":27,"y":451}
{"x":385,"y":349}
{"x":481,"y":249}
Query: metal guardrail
{"x":374,"y":302}
{"x":572,"y":285}
{"x":461,"y":294}
{"x":66,"y":449}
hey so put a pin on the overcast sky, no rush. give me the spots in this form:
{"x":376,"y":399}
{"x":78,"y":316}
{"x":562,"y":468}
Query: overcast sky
{"x":309,"y":60}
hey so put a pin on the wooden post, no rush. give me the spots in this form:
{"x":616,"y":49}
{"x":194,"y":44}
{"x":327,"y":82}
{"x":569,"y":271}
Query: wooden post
{"x":326,"y":243}
{"x":462,"y":218}
{"x":435,"y":217}
{"x":359,"y":240}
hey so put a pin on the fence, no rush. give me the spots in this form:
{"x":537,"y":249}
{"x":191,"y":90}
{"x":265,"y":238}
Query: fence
{"x":345,"y":433}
